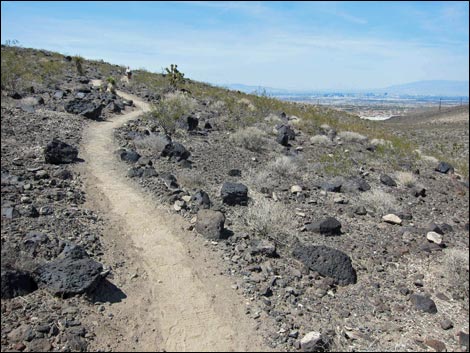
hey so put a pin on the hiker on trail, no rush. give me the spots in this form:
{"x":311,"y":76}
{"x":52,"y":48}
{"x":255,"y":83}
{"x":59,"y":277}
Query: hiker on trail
{"x":128,"y":72}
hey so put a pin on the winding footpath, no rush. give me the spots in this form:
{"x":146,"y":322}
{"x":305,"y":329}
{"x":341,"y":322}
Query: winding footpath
{"x":183,"y":304}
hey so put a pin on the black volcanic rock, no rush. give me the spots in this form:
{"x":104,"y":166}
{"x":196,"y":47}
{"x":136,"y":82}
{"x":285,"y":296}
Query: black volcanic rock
{"x":327,"y":262}
{"x":58,"y":152}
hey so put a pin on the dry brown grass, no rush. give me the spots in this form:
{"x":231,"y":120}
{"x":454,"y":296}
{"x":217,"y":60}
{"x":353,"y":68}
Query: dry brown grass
{"x":406,"y":179}
{"x":378,"y":200}
{"x":267,"y":217}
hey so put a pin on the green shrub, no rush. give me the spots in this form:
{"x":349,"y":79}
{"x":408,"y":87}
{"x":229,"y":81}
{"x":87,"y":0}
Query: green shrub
{"x":171,"y":108}
{"x":78,"y":64}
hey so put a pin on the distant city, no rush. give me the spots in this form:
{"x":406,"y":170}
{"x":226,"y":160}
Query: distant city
{"x":377,"y":104}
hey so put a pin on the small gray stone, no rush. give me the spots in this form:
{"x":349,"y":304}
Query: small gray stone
{"x":446,"y":324}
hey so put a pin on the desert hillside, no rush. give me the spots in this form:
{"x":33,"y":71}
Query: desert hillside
{"x":158,"y":213}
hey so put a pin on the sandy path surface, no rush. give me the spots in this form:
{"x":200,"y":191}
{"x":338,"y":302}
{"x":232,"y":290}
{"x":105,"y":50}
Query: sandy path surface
{"x":182,"y":303}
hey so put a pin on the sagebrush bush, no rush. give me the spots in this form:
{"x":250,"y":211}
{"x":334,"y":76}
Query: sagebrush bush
{"x":321,"y":140}
{"x":381,"y":142}
{"x":257,"y":180}
{"x":250,"y":138}
{"x":351,"y":136}
{"x":378,"y":200}
{"x":285,"y":166}
{"x":407,"y":179}
{"x":456,"y":270}
{"x":267,"y":217}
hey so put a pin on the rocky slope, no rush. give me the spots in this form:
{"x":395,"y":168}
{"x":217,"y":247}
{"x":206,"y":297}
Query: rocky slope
{"x":298,"y":210}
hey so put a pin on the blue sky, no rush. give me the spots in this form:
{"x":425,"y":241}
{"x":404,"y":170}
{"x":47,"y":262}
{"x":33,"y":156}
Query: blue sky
{"x":296,"y":45}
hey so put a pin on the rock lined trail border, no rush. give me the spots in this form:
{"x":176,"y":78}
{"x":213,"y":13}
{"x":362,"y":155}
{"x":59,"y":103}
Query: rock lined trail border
{"x":184,"y":304}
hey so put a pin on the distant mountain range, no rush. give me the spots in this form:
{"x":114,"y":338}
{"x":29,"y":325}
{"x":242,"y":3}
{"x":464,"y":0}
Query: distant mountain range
{"x":419,"y":88}
{"x":430,"y":88}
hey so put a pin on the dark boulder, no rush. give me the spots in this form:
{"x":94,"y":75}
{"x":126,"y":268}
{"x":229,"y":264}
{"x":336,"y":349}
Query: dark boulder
{"x":73,"y":272}
{"x":176,"y":151}
{"x":387,"y":180}
{"x":210,"y":224}
{"x":15,"y":95}
{"x":149,"y":172}
{"x":16,"y":283}
{"x":417,"y":191}
{"x":332,"y":185}
{"x":201,"y":199}
{"x":433,"y":227}
{"x":328,"y":226}
{"x":170,"y":181}
{"x":84,"y":80}
{"x":284,"y":135}
{"x":130,"y":156}
{"x":356,"y":184}
{"x":327,"y":262}
{"x":113,"y":107}
{"x":234,"y":194}
{"x":87,"y":108}
{"x":135,"y":172}
{"x":263,"y":247}
{"x":29,"y":211}
{"x":235,"y":172}
{"x":360,"y":210}
{"x":424,"y":303}
{"x":58,"y":152}
{"x":188,"y":123}
{"x":445,"y":168}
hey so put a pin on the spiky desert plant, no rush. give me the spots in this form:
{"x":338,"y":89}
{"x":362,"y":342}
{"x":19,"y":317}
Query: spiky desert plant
{"x":175,"y":77}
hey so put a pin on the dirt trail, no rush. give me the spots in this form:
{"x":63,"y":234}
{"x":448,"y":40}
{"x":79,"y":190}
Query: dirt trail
{"x":182,"y":303}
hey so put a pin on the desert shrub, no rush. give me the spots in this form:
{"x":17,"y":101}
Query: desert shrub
{"x":154,"y":144}
{"x":351,"y":136}
{"x":285,"y":166}
{"x":78,"y":60}
{"x":171,"y":108}
{"x":321,"y":140}
{"x":336,"y":164}
{"x":407,"y":179}
{"x":456,"y":270}
{"x":269,"y":218}
{"x":273,"y":119}
{"x":191,"y":179}
{"x":256,"y":180}
{"x":15,"y":73}
{"x":378,"y":200}
{"x":250,"y":138}
{"x":381,"y":142}
{"x":246,"y":103}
